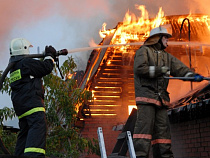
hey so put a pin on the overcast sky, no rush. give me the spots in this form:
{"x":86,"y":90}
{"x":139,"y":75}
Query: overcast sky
{"x":73,"y":23}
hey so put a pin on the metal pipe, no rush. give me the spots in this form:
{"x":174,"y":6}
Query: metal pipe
{"x":186,"y":78}
{"x":189,"y":40}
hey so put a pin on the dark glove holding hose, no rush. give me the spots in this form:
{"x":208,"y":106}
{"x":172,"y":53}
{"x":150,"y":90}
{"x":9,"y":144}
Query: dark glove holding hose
{"x":50,"y":51}
{"x":198,"y":78}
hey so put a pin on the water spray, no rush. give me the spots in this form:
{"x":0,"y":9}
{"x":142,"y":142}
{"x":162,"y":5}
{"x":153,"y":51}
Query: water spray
{"x":65,"y":52}
{"x":136,"y":44}
{"x":103,"y":46}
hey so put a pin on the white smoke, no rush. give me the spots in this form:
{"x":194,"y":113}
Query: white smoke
{"x":72,"y":24}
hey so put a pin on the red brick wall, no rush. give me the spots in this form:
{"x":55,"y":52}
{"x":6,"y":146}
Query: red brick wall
{"x":110,"y":136}
{"x":191,"y":139}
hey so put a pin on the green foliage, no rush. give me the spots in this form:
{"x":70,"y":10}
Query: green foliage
{"x":6,"y":85}
{"x":62,"y":98}
{"x":6,"y":113}
{"x":69,"y":143}
{"x":9,"y":139}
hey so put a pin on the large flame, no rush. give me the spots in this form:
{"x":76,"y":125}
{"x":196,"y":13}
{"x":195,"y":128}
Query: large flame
{"x":135,"y":29}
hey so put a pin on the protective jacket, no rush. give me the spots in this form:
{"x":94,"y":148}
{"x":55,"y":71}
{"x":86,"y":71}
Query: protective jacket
{"x":150,"y":85}
{"x":28,"y":102}
{"x":26,"y":84}
{"x":152,"y":98}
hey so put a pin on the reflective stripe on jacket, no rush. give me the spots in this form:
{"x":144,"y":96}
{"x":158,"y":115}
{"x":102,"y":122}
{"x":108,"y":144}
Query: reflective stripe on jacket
{"x":38,"y":109}
{"x":36,"y":150}
{"x":155,"y":141}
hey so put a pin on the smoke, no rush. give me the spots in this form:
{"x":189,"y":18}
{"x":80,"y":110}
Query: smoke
{"x":17,"y":14}
{"x":201,"y":6}
{"x":81,"y":20}
{"x":171,"y":7}
{"x":73,"y":23}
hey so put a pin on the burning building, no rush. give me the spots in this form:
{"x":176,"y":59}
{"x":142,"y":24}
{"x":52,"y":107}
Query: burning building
{"x":109,"y":74}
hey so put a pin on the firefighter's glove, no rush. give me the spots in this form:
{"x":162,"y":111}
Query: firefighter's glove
{"x":50,"y":51}
{"x":198,"y":78}
{"x":165,"y":70}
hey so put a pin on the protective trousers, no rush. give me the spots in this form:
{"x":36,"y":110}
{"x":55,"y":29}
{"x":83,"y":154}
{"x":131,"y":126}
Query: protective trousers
{"x":32,"y":137}
{"x":152,"y":127}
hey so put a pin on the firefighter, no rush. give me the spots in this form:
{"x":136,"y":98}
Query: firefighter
{"x":151,"y":64}
{"x":28,"y":95}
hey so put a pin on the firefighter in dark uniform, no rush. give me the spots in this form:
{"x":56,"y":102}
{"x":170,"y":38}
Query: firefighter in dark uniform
{"x":28,"y":95}
{"x":151,"y":63}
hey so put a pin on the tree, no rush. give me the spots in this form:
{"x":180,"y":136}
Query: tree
{"x":62,"y":99}
{"x":7,"y":139}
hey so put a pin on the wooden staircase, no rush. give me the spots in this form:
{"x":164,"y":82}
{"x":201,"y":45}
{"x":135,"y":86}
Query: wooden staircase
{"x":113,"y":91}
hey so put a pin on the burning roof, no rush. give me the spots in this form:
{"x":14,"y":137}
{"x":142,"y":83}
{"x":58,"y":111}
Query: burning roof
{"x":137,"y":28}
{"x":189,"y":43}
{"x":109,"y":75}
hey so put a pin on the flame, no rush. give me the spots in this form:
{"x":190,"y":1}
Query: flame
{"x":159,"y":20}
{"x":135,"y":29}
{"x":103,"y":32}
{"x":69,"y":76}
{"x":203,"y":19}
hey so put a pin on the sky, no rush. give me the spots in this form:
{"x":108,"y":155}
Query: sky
{"x":73,"y":24}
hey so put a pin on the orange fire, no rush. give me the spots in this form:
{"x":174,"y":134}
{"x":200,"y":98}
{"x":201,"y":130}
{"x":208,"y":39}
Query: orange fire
{"x":69,"y":76}
{"x":103,"y":32}
{"x":135,"y":29}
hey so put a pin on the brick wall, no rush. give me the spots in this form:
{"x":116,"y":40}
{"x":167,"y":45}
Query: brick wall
{"x":110,"y":136}
{"x":191,"y":139}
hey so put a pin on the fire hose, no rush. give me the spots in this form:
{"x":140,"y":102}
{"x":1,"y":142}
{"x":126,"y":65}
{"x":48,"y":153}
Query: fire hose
{"x":186,"y":78}
{"x":11,"y":64}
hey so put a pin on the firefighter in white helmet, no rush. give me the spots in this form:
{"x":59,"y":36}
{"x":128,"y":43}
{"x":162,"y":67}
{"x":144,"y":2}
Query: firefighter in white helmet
{"x":19,"y":46}
{"x":28,"y":95}
{"x":151,"y":64}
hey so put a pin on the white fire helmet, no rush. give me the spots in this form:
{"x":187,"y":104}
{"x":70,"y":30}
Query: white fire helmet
{"x":19,"y":46}
{"x":161,"y":30}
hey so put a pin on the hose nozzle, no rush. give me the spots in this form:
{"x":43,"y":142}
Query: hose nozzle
{"x":62,"y":52}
